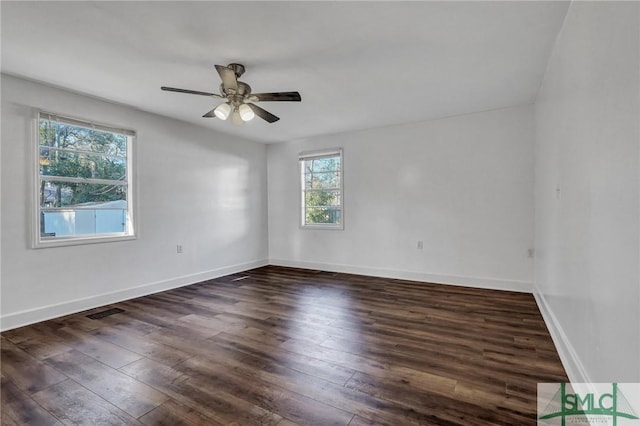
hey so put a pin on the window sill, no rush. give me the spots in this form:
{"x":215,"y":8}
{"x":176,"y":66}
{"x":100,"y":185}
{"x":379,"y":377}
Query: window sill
{"x":323,"y":227}
{"x":76,"y":241}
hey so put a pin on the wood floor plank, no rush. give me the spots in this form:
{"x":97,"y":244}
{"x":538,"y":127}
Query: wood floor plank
{"x":43,"y":347}
{"x":6,"y":419}
{"x":134,"y":343}
{"x":209,"y":399}
{"x":214,"y":324}
{"x":124,"y":392}
{"x":312,"y":387}
{"x":443,"y":408}
{"x":361,"y":421}
{"x":112,"y":355}
{"x":266,"y":394}
{"x":287,"y":422}
{"x":21,"y":334}
{"x":156,"y":316}
{"x":18,"y":408}
{"x":74,"y":404}
{"x":126,"y":322}
{"x":267,"y":347}
{"x":26,"y":372}
{"x":287,"y":346}
{"x":172,"y":413}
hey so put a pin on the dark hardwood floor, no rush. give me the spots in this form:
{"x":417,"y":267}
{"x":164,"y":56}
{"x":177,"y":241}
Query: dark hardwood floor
{"x":286,"y":346}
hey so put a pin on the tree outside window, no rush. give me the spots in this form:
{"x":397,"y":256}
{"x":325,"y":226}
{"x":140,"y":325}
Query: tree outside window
{"x":84,"y":184}
{"x":321,"y":176}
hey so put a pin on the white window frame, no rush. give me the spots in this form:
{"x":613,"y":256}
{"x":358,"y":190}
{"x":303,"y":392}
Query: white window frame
{"x":38,"y":241}
{"x":308,"y":155}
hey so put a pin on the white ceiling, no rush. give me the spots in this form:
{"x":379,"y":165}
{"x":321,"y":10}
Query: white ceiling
{"x":357,"y":65}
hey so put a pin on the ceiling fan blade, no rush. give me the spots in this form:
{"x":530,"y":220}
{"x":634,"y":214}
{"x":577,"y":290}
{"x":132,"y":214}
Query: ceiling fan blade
{"x":191,"y":92}
{"x":210,"y":114}
{"x":228,"y":77}
{"x":264,"y":114}
{"x":279,"y":96}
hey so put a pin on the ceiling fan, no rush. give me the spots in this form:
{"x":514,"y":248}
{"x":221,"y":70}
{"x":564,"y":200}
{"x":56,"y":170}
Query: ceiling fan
{"x":239,"y":99}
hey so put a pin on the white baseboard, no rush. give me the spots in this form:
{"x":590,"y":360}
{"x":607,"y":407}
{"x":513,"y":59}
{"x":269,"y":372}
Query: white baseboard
{"x":488,"y":283}
{"x":568,"y":355}
{"x":31,"y":316}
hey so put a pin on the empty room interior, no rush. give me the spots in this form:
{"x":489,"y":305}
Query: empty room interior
{"x":318,"y":213}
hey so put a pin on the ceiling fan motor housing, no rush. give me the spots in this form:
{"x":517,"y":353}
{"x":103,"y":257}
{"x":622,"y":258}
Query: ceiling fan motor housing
{"x":237,"y":68}
{"x":243,"y":91}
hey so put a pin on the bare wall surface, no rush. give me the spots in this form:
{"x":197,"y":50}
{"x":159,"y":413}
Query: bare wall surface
{"x":462,"y":185}
{"x":586,"y":191}
{"x":203,"y":190}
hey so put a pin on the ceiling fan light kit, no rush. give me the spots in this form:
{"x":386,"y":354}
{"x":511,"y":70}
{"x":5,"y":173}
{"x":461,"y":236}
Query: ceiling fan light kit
{"x":240,"y":102}
{"x":223,"y":111}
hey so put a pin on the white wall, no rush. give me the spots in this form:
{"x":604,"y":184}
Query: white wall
{"x":1,"y":205}
{"x":204,"y":190}
{"x":587,"y":144}
{"x":463,"y":185}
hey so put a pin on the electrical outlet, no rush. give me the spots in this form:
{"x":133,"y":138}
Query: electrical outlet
{"x":531,"y":253}
{"x":420,"y":245}
{"x":179,"y":248}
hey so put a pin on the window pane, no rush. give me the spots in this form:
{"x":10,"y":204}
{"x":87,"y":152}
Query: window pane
{"x":54,"y":162}
{"x":322,"y":215}
{"x":322,"y":198}
{"x":322,"y":164}
{"x":66,"y":194}
{"x":65,"y":136}
{"x":322,"y":180}
{"x":322,"y":189}
{"x":84,"y":181}
{"x":101,"y":218}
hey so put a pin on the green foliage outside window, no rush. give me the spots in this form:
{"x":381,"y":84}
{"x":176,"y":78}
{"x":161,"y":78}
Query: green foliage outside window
{"x":322,"y":191}
{"x":68,"y":151}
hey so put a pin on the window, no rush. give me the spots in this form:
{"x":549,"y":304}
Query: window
{"x":321,"y":183}
{"x":83,"y":185}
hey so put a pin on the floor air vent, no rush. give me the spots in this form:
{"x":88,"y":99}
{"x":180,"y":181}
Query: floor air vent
{"x":99,"y":315}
